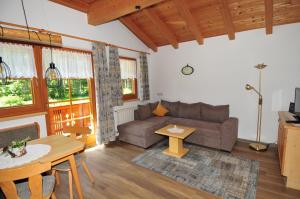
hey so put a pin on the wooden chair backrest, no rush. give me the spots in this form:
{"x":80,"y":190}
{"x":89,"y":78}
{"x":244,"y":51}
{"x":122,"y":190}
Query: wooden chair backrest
{"x":75,"y":131}
{"x":57,"y":126}
{"x":30,"y":171}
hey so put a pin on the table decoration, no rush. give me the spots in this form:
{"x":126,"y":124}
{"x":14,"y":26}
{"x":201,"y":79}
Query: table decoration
{"x":33,"y":152}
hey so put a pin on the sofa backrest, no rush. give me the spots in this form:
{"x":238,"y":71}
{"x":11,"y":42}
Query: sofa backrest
{"x":7,"y":135}
{"x":173,"y":107}
{"x":189,"y":111}
{"x":215,"y":113}
{"x":136,"y":115}
{"x":196,"y":111}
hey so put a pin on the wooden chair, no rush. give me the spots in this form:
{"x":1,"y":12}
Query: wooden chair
{"x":77,"y":133}
{"x":36,"y":187}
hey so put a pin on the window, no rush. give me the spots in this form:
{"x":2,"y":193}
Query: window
{"x":129,"y":78}
{"x":26,"y":92}
{"x":21,"y":94}
{"x":72,"y":103}
{"x":17,"y":92}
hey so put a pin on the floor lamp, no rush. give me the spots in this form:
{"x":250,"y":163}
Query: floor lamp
{"x":257,"y":146}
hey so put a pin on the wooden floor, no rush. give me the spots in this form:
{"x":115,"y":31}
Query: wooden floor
{"x":117,"y":178}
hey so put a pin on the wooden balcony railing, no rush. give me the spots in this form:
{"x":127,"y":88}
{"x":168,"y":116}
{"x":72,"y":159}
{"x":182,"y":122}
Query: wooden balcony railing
{"x":75,"y":114}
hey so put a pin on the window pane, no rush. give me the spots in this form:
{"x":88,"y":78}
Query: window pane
{"x":128,"y":68}
{"x":80,"y":88}
{"x":72,"y":112}
{"x":59,"y":94}
{"x":128,"y":86}
{"x":16,"y":93}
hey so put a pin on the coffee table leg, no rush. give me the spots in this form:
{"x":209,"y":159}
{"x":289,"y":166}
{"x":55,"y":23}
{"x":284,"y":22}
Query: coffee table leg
{"x":175,"y":145}
{"x":176,"y":148}
{"x":75,"y":176}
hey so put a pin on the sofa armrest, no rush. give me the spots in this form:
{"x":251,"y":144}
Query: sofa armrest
{"x":136,"y":115}
{"x":229,"y":131}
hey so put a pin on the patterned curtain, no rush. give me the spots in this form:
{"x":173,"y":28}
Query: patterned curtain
{"x":115,"y":77}
{"x":144,"y":77}
{"x":105,"y":131}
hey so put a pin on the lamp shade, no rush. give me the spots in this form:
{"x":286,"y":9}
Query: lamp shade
{"x":4,"y":72}
{"x":53,"y":76}
{"x":260,"y":66}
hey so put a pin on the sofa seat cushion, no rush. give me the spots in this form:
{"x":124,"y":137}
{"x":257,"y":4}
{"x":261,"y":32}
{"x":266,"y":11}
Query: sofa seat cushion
{"x":142,"y":128}
{"x":141,"y":132}
{"x":209,"y":129}
{"x":160,"y":120}
{"x":201,"y":138}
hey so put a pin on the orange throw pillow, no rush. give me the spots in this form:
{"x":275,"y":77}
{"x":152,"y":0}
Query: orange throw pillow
{"x":160,"y":110}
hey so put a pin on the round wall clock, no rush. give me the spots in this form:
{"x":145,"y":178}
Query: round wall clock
{"x":187,"y":70}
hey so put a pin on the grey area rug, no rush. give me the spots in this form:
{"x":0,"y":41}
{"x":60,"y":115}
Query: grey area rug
{"x":213,"y":171}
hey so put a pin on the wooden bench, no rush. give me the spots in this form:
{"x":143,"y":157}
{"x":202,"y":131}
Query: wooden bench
{"x":7,"y":135}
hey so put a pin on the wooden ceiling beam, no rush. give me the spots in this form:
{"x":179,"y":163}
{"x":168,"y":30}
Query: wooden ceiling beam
{"x":107,"y":10}
{"x":269,"y":16}
{"x":161,"y":26}
{"x":75,"y":4}
{"x":187,"y":16}
{"x":138,"y":32}
{"x":227,"y":19}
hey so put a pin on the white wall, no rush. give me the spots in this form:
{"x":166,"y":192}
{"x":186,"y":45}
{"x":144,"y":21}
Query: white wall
{"x":48,"y":15}
{"x":223,"y":67}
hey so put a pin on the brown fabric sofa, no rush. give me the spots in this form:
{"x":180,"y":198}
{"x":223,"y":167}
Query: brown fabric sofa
{"x":214,"y":127}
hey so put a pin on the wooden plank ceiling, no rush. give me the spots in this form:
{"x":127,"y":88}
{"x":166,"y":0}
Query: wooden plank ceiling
{"x":170,"y":22}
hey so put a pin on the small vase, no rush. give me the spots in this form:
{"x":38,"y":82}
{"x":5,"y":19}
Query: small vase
{"x":17,"y":152}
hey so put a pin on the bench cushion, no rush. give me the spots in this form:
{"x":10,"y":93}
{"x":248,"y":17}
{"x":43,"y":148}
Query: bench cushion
{"x":18,"y":133}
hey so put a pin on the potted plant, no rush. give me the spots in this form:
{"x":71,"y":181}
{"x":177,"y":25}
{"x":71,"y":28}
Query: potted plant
{"x":18,"y":147}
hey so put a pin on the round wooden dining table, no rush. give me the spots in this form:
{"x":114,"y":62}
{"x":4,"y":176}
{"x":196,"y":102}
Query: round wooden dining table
{"x":62,"y":149}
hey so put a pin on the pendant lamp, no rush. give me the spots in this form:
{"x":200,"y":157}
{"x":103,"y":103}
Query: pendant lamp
{"x":52,"y":75}
{"x":4,"y":72}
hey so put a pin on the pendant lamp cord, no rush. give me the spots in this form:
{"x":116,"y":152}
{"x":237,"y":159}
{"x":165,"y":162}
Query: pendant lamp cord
{"x":50,"y":46}
{"x":2,"y":31}
{"x":24,"y":12}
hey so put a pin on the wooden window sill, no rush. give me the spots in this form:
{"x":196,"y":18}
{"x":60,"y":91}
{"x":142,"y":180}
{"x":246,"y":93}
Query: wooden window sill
{"x":3,"y":119}
{"x":131,"y":100}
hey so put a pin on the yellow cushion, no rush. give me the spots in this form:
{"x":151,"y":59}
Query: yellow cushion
{"x":160,"y":110}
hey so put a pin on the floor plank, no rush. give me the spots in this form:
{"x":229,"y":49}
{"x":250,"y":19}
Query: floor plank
{"x":117,"y":178}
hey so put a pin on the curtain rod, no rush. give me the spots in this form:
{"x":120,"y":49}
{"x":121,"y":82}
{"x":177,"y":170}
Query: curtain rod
{"x":70,"y":36}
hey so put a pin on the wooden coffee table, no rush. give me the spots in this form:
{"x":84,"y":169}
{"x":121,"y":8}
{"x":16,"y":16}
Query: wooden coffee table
{"x":176,"y":148}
